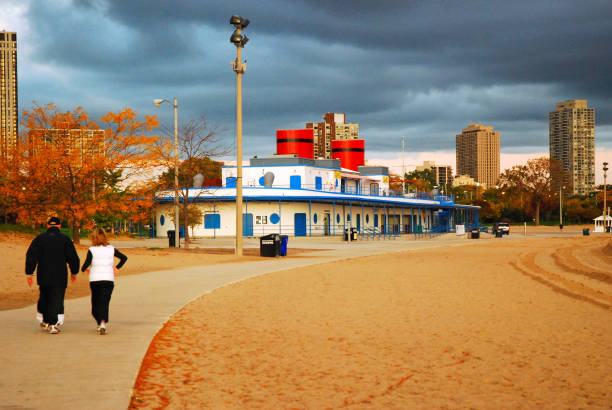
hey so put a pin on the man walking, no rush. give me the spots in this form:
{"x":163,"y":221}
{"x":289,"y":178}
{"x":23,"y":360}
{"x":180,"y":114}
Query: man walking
{"x":50,"y":252}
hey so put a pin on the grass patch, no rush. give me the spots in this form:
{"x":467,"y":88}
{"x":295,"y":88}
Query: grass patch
{"x":19,"y":228}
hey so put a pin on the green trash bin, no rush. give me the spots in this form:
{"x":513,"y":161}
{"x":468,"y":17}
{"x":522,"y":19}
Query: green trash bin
{"x":585,"y":232}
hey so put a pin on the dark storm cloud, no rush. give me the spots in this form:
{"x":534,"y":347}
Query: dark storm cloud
{"x":420,"y":69}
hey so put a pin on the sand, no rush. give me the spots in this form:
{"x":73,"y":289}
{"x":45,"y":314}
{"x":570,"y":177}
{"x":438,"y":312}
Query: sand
{"x":495,"y":324}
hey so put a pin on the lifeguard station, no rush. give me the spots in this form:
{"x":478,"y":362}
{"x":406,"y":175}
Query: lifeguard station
{"x":603,"y":223}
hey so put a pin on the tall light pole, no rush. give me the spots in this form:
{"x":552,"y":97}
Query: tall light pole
{"x":157,"y":103}
{"x":239,"y":67}
{"x":561,"y":207}
{"x":605,"y":210}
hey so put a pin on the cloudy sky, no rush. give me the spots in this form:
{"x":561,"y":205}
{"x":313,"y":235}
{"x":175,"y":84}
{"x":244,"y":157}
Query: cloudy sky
{"x":419,"y":69}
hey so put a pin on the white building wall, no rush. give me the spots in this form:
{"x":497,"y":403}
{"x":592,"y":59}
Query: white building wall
{"x":262,"y":212}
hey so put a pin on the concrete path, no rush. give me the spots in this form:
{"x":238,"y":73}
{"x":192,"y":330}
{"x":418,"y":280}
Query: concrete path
{"x":78,"y":369}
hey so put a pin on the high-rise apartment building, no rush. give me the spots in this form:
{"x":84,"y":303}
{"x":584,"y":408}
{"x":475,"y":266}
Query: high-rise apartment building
{"x":8,"y":91}
{"x":572,"y":143}
{"x":333,"y":127}
{"x":81,"y":143}
{"x":478,"y":154}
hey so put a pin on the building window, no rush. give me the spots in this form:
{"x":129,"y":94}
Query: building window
{"x":162,"y":220}
{"x":212,"y":221}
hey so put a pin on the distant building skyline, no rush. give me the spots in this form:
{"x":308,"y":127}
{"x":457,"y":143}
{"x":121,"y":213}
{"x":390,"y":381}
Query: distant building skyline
{"x":477,"y":150}
{"x":334,"y":127}
{"x":443,"y":173}
{"x":572,"y":143}
{"x":9,"y":124}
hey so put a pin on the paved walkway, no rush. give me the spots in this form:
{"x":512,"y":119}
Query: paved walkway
{"x":78,"y":369}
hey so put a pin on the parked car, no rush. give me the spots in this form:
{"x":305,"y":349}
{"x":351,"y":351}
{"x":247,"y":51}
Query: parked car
{"x":502,"y":227}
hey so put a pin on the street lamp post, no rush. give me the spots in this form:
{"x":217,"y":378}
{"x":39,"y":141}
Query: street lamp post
{"x":605,"y":210}
{"x":157,"y":103}
{"x":561,"y":207}
{"x":239,"y":68}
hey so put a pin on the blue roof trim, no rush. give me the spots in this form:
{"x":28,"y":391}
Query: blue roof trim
{"x":295,"y":165}
{"x":373,"y":200}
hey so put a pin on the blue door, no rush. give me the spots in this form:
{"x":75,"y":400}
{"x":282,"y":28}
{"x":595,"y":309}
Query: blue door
{"x":247,"y":224}
{"x":299,"y":220}
{"x":358,"y":223}
{"x":295,"y":182}
{"x":318,"y":183}
{"x":375,"y":220}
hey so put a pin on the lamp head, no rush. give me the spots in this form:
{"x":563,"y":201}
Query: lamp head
{"x":157,"y":102}
{"x":238,"y":21}
{"x":236,"y":39}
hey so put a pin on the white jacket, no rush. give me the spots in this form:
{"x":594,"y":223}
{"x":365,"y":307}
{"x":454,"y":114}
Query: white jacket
{"x":102,"y":263}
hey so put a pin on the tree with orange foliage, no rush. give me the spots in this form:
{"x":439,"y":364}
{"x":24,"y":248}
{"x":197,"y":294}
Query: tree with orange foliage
{"x":533,"y":181}
{"x":65,"y":164}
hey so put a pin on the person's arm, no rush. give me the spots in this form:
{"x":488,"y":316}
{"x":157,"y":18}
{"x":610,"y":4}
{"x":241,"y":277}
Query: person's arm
{"x":72,"y":258}
{"x":31,"y":260}
{"x":87,"y":262}
{"x":122,"y":258}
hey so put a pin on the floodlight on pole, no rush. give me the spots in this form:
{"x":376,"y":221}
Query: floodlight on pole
{"x":605,"y":204}
{"x":239,"y":40}
{"x":157,"y":102}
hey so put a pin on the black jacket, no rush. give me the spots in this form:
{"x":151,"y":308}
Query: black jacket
{"x":50,"y":251}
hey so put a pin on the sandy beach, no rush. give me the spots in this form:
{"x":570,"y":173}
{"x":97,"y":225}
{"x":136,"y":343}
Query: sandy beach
{"x":523,"y":323}
{"x":495,"y":323}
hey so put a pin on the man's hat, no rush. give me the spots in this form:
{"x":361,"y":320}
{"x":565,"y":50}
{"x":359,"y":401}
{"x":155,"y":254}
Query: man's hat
{"x":53,"y":221}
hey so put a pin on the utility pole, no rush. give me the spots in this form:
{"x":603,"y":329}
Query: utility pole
{"x":239,"y":68}
{"x":605,"y":209}
{"x":403,"y":169}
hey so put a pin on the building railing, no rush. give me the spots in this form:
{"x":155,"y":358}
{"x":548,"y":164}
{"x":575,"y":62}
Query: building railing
{"x":359,"y":190}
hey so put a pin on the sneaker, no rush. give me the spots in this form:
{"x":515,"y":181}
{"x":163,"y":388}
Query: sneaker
{"x":39,"y":317}
{"x":102,"y":328}
{"x":44,"y":326}
{"x":60,"y":319}
{"x":53,"y":329}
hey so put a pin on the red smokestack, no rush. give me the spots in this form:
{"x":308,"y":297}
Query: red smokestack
{"x":300,"y":142}
{"x":351,"y":153}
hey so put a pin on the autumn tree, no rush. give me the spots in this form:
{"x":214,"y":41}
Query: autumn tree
{"x":65,"y":164}
{"x":198,"y":143}
{"x":532,"y":182}
{"x":423,"y":180}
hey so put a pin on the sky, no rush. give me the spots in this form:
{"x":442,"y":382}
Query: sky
{"x":423,"y":70}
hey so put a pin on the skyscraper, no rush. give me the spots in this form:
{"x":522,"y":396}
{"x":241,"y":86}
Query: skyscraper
{"x":478,"y":154}
{"x":572,"y":143}
{"x":8,"y":91}
{"x":333,"y":128}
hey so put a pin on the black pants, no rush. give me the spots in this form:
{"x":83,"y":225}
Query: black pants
{"x":39,"y":307}
{"x":101,"y":292}
{"x":51,"y":302}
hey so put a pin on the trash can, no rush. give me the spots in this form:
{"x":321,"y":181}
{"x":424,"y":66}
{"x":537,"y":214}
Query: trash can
{"x":585,"y":232}
{"x":270,"y":245}
{"x":172,"y":239}
{"x":499,"y":234}
{"x":283,"y":246}
{"x":475,"y":233}
{"x":353,"y":234}
{"x":608,"y":229}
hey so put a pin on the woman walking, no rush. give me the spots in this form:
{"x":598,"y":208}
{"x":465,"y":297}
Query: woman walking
{"x":101,"y":275}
